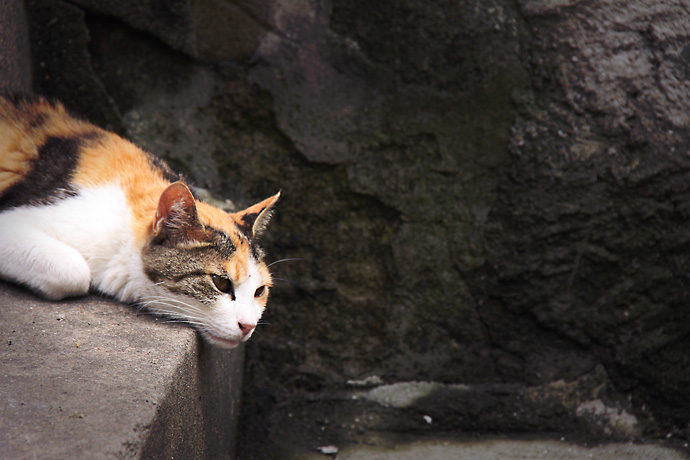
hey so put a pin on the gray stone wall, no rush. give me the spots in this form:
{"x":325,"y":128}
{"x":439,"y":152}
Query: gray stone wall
{"x":15,"y":60}
{"x":478,"y":192}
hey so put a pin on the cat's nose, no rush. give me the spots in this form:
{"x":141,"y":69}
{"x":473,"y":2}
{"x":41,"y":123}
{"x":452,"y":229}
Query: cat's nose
{"x":246,"y":328}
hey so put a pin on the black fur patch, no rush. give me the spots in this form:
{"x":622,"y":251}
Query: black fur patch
{"x":249,"y":219}
{"x":166,"y":171}
{"x":50,"y":177}
{"x":37,"y":120}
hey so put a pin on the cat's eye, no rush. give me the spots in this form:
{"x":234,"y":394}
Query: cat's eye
{"x":223,"y":284}
{"x":260,"y":291}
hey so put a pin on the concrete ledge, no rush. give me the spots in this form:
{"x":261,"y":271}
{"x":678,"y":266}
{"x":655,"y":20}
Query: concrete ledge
{"x":91,"y":378}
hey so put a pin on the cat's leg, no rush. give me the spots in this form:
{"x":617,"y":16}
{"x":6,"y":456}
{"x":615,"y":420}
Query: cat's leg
{"x":31,"y":257}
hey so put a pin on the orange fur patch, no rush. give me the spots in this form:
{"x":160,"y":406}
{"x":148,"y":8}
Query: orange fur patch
{"x":238,"y":266}
{"x":23,"y":129}
{"x":104,"y":159}
{"x":114,"y":160}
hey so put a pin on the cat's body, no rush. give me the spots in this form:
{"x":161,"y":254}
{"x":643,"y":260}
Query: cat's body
{"x":81,"y":207}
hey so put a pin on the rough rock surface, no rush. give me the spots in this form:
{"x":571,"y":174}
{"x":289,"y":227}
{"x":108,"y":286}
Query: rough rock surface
{"x":481,"y":193}
{"x":15,"y":56}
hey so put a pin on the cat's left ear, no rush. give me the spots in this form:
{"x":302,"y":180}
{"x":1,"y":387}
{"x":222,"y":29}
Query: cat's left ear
{"x":252,"y":221}
{"x":176,"y":218}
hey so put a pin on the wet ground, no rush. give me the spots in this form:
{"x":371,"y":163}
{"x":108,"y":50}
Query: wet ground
{"x":496,"y":449}
{"x":430,"y":421}
{"x":301,"y":442}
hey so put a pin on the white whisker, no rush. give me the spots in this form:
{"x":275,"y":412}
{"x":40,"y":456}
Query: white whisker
{"x":283,"y":260}
{"x":149,"y":300}
{"x":175,"y":317}
{"x":177,"y":310}
{"x":283,"y":279}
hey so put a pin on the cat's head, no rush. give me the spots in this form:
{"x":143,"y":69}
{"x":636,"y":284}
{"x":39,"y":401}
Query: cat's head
{"x":205,"y":265}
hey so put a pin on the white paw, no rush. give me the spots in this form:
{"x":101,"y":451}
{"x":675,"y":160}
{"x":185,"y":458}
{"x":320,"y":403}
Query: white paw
{"x":66,"y":274}
{"x":46,"y":265}
{"x":72,"y":286}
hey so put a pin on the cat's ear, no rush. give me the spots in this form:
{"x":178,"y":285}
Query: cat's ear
{"x":176,"y":218}
{"x":252,"y":221}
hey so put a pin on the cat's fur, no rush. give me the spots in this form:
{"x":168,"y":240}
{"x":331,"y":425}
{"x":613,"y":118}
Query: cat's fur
{"x":82,"y":208}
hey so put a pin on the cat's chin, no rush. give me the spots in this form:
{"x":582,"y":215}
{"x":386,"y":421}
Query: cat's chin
{"x":221,"y":342}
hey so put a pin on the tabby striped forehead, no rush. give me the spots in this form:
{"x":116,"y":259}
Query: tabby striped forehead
{"x":220,"y":221}
{"x":236,"y":250}
{"x":235,"y":253}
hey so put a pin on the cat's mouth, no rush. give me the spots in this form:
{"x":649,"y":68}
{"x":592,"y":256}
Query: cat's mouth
{"x":220,"y":341}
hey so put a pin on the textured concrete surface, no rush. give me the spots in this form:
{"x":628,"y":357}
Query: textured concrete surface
{"x":91,"y":378}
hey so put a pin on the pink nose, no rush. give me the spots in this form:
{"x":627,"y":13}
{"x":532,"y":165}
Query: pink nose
{"x":246,"y":328}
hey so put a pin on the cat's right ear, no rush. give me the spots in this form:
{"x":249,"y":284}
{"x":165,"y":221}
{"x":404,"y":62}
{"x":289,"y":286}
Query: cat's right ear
{"x":177,"y":220}
{"x":253,"y":220}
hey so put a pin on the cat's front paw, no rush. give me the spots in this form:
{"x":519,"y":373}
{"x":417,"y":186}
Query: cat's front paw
{"x":52,"y":269}
{"x":73,"y":286}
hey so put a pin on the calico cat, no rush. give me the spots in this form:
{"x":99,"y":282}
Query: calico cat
{"x":82,"y":208}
